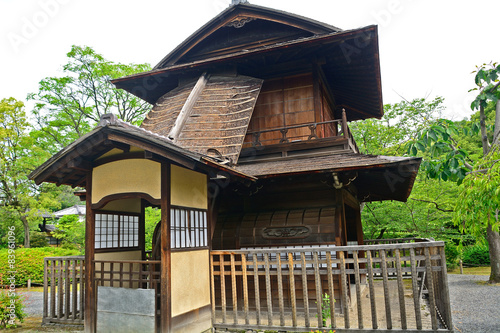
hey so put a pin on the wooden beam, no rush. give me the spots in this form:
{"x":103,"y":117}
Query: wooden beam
{"x":80,"y":164}
{"x":119,"y":145}
{"x":90,"y":293}
{"x":165,"y":252}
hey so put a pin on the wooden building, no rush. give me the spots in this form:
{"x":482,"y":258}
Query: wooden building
{"x":247,"y":147}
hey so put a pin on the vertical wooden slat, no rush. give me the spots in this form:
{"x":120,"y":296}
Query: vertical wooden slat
{"x":245,"y":287}
{"x":81,"y":277}
{"x":53,"y":287}
{"x":372,"y":290}
{"x":305,"y":290}
{"x":331,"y":291}
{"x":222,"y":288}
{"x":234,"y":294}
{"x":74,"y":287}
{"x":444,"y":290}
{"x":121,"y":274}
{"x":416,"y":295}
{"x":401,"y":292}
{"x":130,"y":275}
{"x":358,"y":289}
{"x":345,"y":303}
{"x":280,"y":289}
{"x":60,"y":290}
{"x":111,"y":269}
{"x":292,"y":289}
{"x":268,"y":291}
{"x":319,"y":291}
{"x":385,"y":280}
{"x":212,"y":285}
{"x":430,"y":288}
{"x":256,"y":286}
{"x":102,"y":275}
{"x":45,"y":288}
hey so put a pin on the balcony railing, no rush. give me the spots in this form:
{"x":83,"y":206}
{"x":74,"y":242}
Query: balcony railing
{"x":285,"y":289}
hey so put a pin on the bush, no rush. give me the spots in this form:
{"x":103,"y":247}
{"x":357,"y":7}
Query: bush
{"x":476,"y":255}
{"x":38,"y":239}
{"x":452,"y":254}
{"x":11,"y":309}
{"x":28,"y":264}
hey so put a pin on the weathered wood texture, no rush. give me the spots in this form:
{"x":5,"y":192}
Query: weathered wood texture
{"x":279,"y":275}
{"x":63,"y":290}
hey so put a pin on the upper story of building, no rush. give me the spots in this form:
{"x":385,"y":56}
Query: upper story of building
{"x":258,"y":84}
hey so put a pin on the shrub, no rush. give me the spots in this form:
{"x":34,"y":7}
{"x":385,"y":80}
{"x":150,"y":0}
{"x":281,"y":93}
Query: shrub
{"x":452,"y":254}
{"x":476,"y":255}
{"x":11,"y":309}
{"x":28,"y":264}
{"x":38,"y":239}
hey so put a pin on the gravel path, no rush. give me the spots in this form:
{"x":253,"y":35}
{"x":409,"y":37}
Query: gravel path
{"x":475,"y":307}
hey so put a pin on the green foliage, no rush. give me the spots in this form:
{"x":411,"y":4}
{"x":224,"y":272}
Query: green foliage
{"x":452,"y":254}
{"x":28,"y":263}
{"x":38,"y":239}
{"x":71,"y":231}
{"x":68,"y":107}
{"x":153,"y":216}
{"x":476,"y":255}
{"x":479,"y":198}
{"x":400,"y":123}
{"x":325,"y":308}
{"x":487,"y":82}
{"x":11,"y":309}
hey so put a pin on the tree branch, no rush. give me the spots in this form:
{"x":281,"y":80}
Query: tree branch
{"x":435,"y":204}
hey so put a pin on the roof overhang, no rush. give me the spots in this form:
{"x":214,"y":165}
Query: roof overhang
{"x":375,"y":178}
{"x":71,"y":165}
{"x":349,"y":60}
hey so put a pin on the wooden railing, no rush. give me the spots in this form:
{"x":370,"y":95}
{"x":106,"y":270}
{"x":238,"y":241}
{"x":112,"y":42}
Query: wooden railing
{"x":63,"y":290}
{"x":285,"y":289}
{"x":64,"y":284}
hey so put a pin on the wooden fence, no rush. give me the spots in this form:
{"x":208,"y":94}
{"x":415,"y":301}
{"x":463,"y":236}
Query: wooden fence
{"x":285,"y":289}
{"x":63,"y":290}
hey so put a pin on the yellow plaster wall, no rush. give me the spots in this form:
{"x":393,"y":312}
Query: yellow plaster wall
{"x":124,"y":205}
{"x":188,"y":188}
{"x":123,"y":176}
{"x":190,"y":281}
{"x":116,"y":151}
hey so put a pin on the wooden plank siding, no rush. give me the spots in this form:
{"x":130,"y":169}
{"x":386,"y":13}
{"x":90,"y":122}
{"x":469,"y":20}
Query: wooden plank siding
{"x":287,"y":102}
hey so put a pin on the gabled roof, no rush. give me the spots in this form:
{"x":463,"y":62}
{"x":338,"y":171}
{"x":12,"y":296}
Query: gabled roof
{"x":71,"y":164}
{"x":286,"y":26}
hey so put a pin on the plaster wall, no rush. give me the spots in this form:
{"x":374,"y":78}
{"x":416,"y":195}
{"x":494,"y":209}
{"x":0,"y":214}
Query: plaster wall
{"x":123,"y":255}
{"x":190,"y":281}
{"x":125,"y":176}
{"x":124,"y":206}
{"x":188,"y":188}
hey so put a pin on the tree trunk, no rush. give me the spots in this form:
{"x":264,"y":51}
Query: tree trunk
{"x":493,"y":238}
{"x":26,"y":231}
{"x":484,"y":137}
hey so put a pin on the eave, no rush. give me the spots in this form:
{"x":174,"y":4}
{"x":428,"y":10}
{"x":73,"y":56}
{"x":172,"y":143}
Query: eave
{"x":350,"y":61}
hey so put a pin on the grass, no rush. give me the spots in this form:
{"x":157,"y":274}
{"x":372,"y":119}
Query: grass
{"x":472,"y":271}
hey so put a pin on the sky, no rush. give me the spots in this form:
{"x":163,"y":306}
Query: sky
{"x":428,"y":48}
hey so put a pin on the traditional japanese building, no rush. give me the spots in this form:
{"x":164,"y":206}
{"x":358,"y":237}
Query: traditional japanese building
{"x":247,"y":147}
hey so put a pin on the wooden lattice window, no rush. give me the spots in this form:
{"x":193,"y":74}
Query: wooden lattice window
{"x":114,"y":230}
{"x":188,"y":228}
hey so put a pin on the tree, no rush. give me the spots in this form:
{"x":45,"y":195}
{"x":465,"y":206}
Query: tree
{"x":68,"y":107}
{"x":478,"y":205}
{"x":18,"y":157}
{"x":400,"y":123}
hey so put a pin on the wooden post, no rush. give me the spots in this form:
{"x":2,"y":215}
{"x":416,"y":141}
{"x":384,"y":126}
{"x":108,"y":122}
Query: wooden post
{"x":345,"y":129}
{"x":461,"y":267}
{"x":90,"y":301}
{"x":165,"y":251}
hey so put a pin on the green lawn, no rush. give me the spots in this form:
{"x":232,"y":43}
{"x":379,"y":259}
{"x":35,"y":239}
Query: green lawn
{"x":472,"y":270}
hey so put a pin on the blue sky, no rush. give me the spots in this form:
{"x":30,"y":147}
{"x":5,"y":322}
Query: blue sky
{"x":427,"y":48}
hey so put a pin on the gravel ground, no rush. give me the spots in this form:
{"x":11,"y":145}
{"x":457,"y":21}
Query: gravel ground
{"x":475,"y":307}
